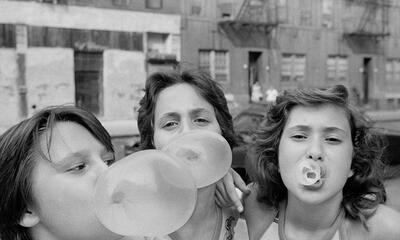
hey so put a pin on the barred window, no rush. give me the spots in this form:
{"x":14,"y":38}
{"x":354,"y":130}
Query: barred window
{"x":392,"y":68}
{"x":337,"y":68}
{"x":293,"y":67}
{"x":216,"y":62}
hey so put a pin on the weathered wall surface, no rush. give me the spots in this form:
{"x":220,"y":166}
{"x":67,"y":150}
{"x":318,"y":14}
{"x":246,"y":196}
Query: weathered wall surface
{"x":49,"y":77}
{"x":124,"y":78}
{"x":87,"y":18}
{"x":8,"y":88}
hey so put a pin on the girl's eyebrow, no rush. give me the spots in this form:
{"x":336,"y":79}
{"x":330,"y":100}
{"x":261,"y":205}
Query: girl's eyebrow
{"x":169,"y":114}
{"x":334,"y":129}
{"x":325,"y":129}
{"x":299,"y":127}
{"x":71,"y":156}
{"x":197,"y":111}
{"x":69,"y":159}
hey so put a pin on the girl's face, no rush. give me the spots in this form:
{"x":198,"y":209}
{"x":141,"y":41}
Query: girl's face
{"x":180,"y":109}
{"x":323,"y":134}
{"x":63,"y":188}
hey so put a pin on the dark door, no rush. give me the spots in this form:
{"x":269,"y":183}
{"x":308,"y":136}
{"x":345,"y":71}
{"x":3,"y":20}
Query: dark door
{"x":254,"y":67}
{"x":366,"y":78}
{"x":89,"y":80}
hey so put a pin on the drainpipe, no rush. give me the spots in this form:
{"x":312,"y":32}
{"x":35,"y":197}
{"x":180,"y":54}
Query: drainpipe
{"x":21,"y":37}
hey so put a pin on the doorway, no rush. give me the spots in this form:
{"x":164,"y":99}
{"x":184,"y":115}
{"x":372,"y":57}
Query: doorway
{"x":89,"y":80}
{"x":254,"y":85}
{"x":366,"y":78}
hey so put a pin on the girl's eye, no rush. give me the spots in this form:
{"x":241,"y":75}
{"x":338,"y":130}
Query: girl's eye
{"x":333,"y":140}
{"x":202,"y":121}
{"x":109,"y":161}
{"x":170,"y":125}
{"x":77,"y":167}
{"x":298,"y":137}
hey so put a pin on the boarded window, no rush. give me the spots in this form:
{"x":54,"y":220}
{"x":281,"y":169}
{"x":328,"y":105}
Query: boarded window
{"x":7,"y":35}
{"x":215,"y":62}
{"x":84,"y":39}
{"x":154,"y":4}
{"x":89,"y":81}
{"x":392,"y":68}
{"x":337,"y":68}
{"x":121,"y":3}
{"x":293,"y":67}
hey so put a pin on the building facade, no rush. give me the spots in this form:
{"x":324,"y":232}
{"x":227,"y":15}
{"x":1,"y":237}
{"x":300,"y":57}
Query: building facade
{"x":94,"y":54}
{"x":258,"y":45}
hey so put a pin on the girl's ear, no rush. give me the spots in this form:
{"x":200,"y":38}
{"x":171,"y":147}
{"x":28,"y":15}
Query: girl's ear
{"x":29,"y":219}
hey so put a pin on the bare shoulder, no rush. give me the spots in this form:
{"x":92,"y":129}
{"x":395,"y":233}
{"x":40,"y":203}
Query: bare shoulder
{"x":385,"y":223}
{"x":258,"y":216}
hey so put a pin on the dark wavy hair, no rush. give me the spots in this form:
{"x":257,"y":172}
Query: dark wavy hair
{"x":202,"y":83}
{"x":19,"y":150}
{"x":362,"y":192}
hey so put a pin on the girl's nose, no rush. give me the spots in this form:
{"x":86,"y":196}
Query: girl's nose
{"x":187,"y":126}
{"x":99,"y":167}
{"x":314,"y":156}
{"x":315,"y":151}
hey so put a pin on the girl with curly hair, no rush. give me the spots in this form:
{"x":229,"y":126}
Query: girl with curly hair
{"x":316,"y":167}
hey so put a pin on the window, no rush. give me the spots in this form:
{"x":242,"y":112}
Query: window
{"x":54,"y":1}
{"x":154,"y":4}
{"x":337,"y":68}
{"x":216,"y":62}
{"x":196,"y":7}
{"x":123,"y":3}
{"x":89,"y":80}
{"x":327,"y":13}
{"x":392,"y":68}
{"x":293,"y":67}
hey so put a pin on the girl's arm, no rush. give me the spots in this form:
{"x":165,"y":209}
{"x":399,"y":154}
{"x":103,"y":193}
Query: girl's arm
{"x":226,"y":194}
{"x":258,"y":216}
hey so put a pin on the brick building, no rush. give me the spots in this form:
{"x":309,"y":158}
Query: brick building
{"x":95,"y":54}
{"x":284,"y":44}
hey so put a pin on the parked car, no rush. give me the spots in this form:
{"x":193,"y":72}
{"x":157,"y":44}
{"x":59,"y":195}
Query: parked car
{"x":124,"y":134}
{"x":244,"y":124}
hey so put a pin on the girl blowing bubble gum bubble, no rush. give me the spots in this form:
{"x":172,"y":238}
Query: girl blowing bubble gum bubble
{"x":49,"y":165}
{"x":316,"y":167}
{"x":176,"y":104}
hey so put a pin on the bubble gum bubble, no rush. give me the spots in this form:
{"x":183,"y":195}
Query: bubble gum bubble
{"x":145,"y":194}
{"x":207,"y":155}
{"x":309,"y":173}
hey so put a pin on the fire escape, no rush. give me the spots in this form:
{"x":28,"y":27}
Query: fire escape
{"x":372,"y":27}
{"x":253,"y":24}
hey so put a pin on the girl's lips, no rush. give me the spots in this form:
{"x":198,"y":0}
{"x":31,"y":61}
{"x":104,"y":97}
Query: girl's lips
{"x":311,"y":174}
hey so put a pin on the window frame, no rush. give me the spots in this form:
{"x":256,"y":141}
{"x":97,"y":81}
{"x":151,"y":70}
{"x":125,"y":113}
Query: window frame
{"x":212,"y":67}
{"x":394,"y":64}
{"x":290,"y":61}
{"x":149,"y":4}
{"x":338,"y":76}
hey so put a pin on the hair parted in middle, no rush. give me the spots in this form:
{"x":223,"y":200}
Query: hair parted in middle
{"x":204,"y":85}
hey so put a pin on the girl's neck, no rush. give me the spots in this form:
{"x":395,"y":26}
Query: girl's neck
{"x":312,"y":217}
{"x":203,"y":219}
